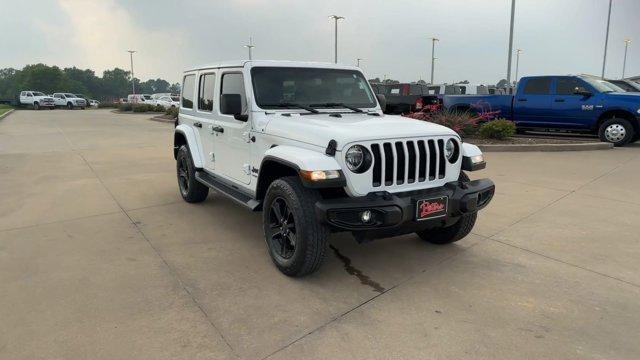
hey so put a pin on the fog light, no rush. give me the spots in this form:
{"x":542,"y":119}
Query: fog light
{"x":365,"y":216}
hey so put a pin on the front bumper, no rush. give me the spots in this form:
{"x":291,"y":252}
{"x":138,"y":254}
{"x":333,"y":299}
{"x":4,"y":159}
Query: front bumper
{"x":395,"y":214}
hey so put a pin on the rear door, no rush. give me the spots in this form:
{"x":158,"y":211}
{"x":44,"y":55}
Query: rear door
{"x":569,"y":109}
{"x":190,"y":115}
{"x":206,"y":114}
{"x":532,"y":106}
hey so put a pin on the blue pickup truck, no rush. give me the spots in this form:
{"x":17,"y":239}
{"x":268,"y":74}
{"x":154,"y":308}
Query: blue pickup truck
{"x":568,"y":103}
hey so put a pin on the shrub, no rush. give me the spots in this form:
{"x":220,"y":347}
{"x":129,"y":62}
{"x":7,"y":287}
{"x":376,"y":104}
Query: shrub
{"x":498,"y":129}
{"x":125,"y":107}
{"x":463,"y":123}
{"x":158,"y":108}
{"x":173,"y":112}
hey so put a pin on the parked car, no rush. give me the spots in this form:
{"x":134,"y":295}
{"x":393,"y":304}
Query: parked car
{"x":94,"y":103}
{"x":626,"y":85}
{"x":36,"y":99}
{"x":71,"y":101}
{"x":141,"y":99}
{"x":168,"y":102}
{"x":308,"y":145}
{"x":568,"y":103}
{"x":406,"y":98}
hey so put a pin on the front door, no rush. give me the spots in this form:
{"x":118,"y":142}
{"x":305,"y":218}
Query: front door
{"x":571,"y":109}
{"x":233,"y":154}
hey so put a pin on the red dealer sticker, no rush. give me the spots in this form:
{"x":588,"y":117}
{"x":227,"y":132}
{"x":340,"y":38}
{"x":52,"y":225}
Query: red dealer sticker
{"x":431,"y":208}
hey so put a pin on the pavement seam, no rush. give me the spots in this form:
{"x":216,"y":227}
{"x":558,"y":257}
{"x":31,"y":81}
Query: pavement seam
{"x":342,"y":315}
{"x":60,"y":221}
{"x":164,"y":261}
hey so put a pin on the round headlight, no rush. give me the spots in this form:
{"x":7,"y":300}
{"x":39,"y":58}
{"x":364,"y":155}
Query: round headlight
{"x":358,"y":159}
{"x":451,"y":151}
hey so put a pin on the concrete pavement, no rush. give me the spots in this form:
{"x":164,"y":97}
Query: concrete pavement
{"x":100,"y":258}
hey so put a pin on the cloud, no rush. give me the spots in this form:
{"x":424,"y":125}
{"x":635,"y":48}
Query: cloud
{"x":102,"y":31}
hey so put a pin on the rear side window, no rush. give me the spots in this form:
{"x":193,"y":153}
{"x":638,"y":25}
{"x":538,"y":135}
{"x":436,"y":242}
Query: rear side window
{"x":187,"y":91}
{"x":566,"y":85}
{"x":537,"y":86}
{"x":205,"y":92}
{"x":233,"y":83}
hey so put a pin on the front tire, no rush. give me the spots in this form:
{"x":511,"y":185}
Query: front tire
{"x":453,"y":233}
{"x":36,"y":106}
{"x":70,"y":106}
{"x":297,"y":242}
{"x":191,"y":190}
{"x":617,"y":131}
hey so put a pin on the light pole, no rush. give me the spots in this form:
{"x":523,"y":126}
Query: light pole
{"x":433,"y":57}
{"x":336,"y":18}
{"x":606,"y":40}
{"x":513,"y":12}
{"x":518,"y":52}
{"x":133,"y":83}
{"x":358,"y":61}
{"x":624,"y":63}
{"x":250,"y":46}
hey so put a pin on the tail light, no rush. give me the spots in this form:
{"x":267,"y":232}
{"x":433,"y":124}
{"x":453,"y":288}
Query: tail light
{"x":419,"y":104}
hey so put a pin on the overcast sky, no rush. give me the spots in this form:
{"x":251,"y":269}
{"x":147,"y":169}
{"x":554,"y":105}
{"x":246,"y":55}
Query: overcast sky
{"x":557,"y":36}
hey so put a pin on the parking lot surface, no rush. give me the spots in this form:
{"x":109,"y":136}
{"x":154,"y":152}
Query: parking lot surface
{"x":101,"y":259}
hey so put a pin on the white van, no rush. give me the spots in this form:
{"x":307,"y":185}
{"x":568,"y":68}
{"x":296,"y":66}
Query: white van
{"x":141,"y":99}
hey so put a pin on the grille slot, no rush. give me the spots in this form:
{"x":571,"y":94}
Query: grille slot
{"x":407,"y":162}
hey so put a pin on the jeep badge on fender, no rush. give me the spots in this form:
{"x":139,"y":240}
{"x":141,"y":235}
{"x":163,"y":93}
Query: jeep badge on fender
{"x":321,"y":158}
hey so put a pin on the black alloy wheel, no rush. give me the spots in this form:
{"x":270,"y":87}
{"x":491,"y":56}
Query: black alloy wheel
{"x":282,"y":233}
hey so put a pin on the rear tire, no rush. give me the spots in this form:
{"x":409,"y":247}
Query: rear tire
{"x":297,"y":242}
{"x":191,"y":190}
{"x":453,"y":233}
{"x":617,"y":131}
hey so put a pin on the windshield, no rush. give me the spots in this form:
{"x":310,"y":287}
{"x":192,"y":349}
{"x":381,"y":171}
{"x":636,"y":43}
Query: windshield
{"x":147,"y":97}
{"x":69,"y":95}
{"x":313,"y":87}
{"x":37,"y":93}
{"x":602,"y":85}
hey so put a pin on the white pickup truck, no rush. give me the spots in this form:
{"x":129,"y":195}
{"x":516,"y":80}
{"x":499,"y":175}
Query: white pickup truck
{"x":309,"y":146}
{"x":36,"y":99}
{"x":71,"y":101}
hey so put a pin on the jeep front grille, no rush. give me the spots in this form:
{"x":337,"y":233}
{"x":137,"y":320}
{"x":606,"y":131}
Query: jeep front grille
{"x":407,"y":162}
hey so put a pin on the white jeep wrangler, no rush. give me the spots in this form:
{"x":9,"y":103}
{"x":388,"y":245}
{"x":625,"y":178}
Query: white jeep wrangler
{"x":309,"y":146}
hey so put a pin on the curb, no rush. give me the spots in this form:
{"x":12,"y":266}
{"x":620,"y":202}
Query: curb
{"x":6,"y":114}
{"x":161,"y":119}
{"x":547,"y":147}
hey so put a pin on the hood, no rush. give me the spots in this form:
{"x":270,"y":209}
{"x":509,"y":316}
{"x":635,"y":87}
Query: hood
{"x":319,"y":129}
{"x":624,"y":95}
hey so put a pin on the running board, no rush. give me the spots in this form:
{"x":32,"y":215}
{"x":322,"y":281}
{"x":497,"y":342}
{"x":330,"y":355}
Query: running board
{"x":234,"y":194}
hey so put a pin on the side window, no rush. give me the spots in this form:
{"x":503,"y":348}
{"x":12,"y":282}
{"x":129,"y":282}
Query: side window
{"x":537,"y":86}
{"x":415,"y":90}
{"x":205,"y":92}
{"x":187,"y":91}
{"x":566,"y":85}
{"x":234,"y":84}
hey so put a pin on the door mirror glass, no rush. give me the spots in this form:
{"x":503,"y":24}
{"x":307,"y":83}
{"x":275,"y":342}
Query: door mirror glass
{"x":382,"y":100}
{"x":231,"y":104}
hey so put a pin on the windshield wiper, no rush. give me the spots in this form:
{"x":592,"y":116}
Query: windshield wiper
{"x":293,"y":105}
{"x":336,"y":104}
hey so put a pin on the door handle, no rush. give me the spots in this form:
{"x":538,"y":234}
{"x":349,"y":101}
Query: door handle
{"x":559,"y":100}
{"x":522,"y":99}
{"x":197,"y":124}
{"x":218,"y":129}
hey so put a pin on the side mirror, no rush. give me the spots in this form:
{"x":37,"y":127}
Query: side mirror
{"x":382,"y":100}
{"x":231,"y":104}
{"x":579,"y":90}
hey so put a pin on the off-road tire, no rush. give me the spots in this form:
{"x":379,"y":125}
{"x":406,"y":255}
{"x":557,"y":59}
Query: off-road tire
{"x":626,"y":124}
{"x":311,"y":236}
{"x":453,"y":233}
{"x":194,"y":191}
{"x":36,"y":106}
{"x":70,"y":106}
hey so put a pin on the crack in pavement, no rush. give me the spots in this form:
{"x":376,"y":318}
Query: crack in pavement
{"x":364,"y":279}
